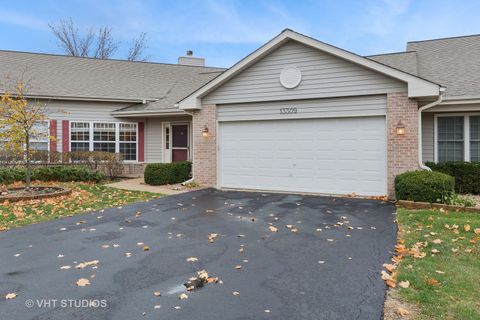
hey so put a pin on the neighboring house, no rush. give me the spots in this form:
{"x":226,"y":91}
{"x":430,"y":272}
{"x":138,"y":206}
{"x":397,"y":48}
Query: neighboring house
{"x":296,"y":115}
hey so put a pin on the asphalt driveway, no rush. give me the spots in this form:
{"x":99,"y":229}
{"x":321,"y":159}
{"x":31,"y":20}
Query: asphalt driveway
{"x":328,"y":269}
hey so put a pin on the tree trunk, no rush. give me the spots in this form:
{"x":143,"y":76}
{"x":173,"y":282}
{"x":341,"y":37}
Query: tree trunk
{"x":28,"y":170}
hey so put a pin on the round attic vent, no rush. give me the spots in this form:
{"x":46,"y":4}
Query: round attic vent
{"x":290,"y":77}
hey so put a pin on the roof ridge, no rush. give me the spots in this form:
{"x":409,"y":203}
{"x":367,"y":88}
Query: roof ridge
{"x":446,"y":38}
{"x":102,"y":59}
{"x":390,"y":53}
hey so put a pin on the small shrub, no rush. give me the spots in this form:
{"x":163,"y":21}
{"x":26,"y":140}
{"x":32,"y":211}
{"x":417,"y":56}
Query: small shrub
{"x":424,"y":186}
{"x":466,"y":174}
{"x":66,"y":174}
{"x":55,"y":173}
{"x":167,"y":173}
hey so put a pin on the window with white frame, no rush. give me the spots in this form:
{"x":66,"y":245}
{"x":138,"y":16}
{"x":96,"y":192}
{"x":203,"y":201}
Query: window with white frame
{"x":104,"y":137}
{"x":112,"y":137}
{"x":475,"y":138}
{"x":458,"y":138}
{"x":80,"y":136}
{"x":128,"y":141}
{"x":450,"y":139}
{"x":40,"y":136}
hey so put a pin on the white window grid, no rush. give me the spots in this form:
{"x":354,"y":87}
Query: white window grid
{"x":102,"y":125}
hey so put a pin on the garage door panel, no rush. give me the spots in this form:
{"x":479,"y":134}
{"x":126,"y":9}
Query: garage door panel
{"x":336,"y":156}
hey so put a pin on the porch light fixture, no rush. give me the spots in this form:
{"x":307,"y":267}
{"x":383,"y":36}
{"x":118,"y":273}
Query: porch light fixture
{"x":400,"y":129}
{"x":205,"y":132}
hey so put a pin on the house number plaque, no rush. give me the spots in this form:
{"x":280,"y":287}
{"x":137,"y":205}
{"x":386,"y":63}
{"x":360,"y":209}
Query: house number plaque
{"x":291,"y":110}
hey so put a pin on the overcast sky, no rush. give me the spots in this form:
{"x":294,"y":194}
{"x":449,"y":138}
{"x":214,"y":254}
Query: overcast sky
{"x":225,"y":31}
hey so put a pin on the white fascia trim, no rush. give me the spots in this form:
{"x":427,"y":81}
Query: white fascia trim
{"x":147,"y":114}
{"x":103,"y":99}
{"x":417,"y":87}
{"x":461,"y":100}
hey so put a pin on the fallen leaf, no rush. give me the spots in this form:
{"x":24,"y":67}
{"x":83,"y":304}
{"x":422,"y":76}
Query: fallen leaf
{"x":440,"y":272}
{"x":146,"y":248}
{"x":477,"y":231}
{"x":294,"y":230}
{"x":183,"y":296}
{"x":402,"y":312}
{"x":192,"y":259}
{"x":212,"y":237}
{"x":238,"y":267}
{"x":128,"y":254}
{"x":432,"y":282}
{"x":437,"y":241}
{"x":10,"y":296}
{"x":86,"y":264}
{"x":289,"y":226}
{"x":157,"y":294}
{"x":389,"y":267}
{"x":434,"y":251}
{"x":236,"y":293}
{"x":273,"y":229}
{"x":83,"y":282}
{"x":156,"y":306}
{"x":404,"y":284}
{"x":466,"y":227}
{"x":203,"y":274}
{"x":65,"y":267}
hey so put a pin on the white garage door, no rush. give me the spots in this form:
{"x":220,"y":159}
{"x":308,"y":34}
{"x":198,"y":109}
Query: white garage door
{"x":333,"y":156}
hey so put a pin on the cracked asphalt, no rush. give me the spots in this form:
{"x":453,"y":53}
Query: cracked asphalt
{"x":329,"y":269}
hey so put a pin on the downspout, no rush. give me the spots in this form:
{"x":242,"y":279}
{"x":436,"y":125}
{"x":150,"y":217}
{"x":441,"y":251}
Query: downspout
{"x":420,"y":144}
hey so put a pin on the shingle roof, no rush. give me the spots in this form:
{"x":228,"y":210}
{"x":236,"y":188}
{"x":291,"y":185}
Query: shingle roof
{"x":405,"y":61}
{"x":453,"y":62}
{"x":65,"y":76}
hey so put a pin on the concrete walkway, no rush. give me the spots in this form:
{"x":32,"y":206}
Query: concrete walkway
{"x":138,"y":184}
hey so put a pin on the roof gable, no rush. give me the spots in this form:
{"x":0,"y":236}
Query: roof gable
{"x":417,"y":87}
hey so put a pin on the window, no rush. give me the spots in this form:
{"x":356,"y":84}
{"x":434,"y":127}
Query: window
{"x":167,"y":138}
{"x":475,"y":138}
{"x":80,"y":136}
{"x":450,"y":139}
{"x":128,"y":141}
{"x":40,"y":136}
{"x":105,"y":136}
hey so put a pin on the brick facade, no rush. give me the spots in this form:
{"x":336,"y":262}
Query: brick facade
{"x":205,"y":148}
{"x":402,"y":150}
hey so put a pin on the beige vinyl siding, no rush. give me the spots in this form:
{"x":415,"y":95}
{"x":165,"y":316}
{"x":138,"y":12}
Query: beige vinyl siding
{"x":428,"y":136}
{"x":323,"y":75}
{"x":153,"y":140}
{"x":313,"y":108}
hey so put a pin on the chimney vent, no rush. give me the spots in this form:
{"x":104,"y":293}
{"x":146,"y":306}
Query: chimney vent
{"x":189,"y":60}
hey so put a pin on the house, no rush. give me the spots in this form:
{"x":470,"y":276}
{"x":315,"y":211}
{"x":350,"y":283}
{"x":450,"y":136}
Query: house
{"x":296,"y":115}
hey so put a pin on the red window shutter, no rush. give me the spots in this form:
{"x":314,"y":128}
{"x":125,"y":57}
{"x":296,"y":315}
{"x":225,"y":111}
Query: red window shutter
{"x":53,"y":135}
{"x":65,"y":135}
{"x":141,"y":141}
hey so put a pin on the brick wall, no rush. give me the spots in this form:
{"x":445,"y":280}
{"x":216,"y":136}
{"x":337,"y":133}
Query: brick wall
{"x":204,"y":148}
{"x":402,"y":150}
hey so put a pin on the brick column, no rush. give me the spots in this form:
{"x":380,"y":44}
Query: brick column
{"x":205,"y":148}
{"x":402,"y":150}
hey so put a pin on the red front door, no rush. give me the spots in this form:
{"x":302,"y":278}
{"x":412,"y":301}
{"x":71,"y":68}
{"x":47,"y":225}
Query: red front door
{"x":179,"y":142}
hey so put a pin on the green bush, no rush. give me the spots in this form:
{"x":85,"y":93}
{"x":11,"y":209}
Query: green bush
{"x":54,"y":173}
{"x":10,"y":175}
{"x":466,"y":174}
{"x":425,"y":186}
{"x":167,"y":173}
{"x":66,"y":174}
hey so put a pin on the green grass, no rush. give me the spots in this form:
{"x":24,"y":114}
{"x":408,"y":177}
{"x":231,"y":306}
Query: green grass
{"x":457,"y":294}
{"x":85,"y":197}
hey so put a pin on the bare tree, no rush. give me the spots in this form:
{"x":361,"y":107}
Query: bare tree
{"x":106,"y":45}
{"x":138,"y":47}
{"x":100,"y":44}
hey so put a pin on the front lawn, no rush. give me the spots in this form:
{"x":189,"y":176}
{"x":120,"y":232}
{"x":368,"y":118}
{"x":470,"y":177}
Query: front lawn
{"x":445,"y":283}
{"x":85,"y":197}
